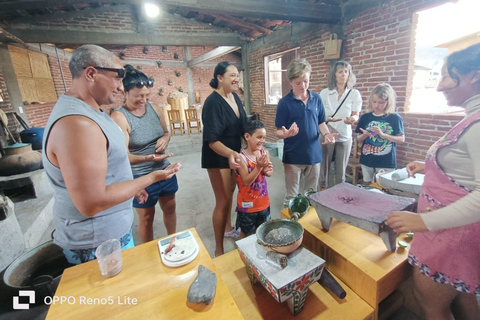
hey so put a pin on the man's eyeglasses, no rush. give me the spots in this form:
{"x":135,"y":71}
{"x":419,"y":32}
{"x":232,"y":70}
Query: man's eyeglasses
{"x":139,"y":84}
{"x":121,"y":72}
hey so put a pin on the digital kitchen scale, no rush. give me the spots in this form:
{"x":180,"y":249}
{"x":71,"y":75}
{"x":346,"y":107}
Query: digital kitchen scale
{"x":184,"y":249}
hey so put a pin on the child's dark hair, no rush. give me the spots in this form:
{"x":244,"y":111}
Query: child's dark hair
{"x":252,"y":126}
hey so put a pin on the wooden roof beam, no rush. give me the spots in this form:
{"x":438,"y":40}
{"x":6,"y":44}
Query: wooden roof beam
{"x":6,"y":36}
{"x":242,"y":23}
{"x":217,"y":52}
{"x":59,"y":35}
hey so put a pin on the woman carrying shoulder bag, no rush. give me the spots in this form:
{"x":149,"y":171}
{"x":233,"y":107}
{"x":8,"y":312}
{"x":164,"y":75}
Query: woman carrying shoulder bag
{"x":342,"y":107}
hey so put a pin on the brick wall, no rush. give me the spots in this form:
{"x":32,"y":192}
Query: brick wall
{"x":38,"y":113}
{"x":121,"y":20}
{"x":379,"y":43}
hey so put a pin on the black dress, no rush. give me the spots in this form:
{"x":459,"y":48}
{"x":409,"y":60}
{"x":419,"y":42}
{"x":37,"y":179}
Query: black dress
{"x":220,"y":123}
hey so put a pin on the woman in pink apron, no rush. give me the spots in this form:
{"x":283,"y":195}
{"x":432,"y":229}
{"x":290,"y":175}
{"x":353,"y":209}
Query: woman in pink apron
{"x":446,"y":246}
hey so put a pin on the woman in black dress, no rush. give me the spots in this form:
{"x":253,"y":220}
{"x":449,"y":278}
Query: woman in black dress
{"x":223,"y":119}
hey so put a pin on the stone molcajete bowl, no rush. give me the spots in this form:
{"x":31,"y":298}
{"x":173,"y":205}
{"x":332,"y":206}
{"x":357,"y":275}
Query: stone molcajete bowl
{"x":280,"y":235}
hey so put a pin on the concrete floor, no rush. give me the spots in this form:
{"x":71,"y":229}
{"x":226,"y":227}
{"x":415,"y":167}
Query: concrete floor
{"x":195,"y":199}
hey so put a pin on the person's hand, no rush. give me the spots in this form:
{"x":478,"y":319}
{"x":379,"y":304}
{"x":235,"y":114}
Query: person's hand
{"x":141,"y":196}
{"x":234,"y":160}
{"x":371,"y":134}
{"x":405,"y":221}
{"x":162,"y":144}
{"x":330,"y":138}
{"x":349,"y":120}
{"x":262,"y":161}
{"x":168,"y":172}
{"x":292,"y":131}
{"x":415,"y":167}
{"x":377,"y":131}
{"x":158,"y":157}
{"x":330,"y":119}
{"x":268,"y":170}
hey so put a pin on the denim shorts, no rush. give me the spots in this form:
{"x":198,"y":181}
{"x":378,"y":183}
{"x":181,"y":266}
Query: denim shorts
{"x":249,"y":222}
{"x":77,"y":256}
{"x":162,"y":188}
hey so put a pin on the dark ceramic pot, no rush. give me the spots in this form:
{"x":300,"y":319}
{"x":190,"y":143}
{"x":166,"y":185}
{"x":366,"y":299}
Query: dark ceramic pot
{"x":20,"y":158}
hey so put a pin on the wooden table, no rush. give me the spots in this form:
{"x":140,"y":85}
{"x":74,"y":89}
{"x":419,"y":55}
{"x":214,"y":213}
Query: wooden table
{"x":255,"y":302}
{"x":160,"y":291}
{"x":357,"y":257}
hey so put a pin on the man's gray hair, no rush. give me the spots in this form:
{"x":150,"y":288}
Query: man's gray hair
{"x":90,"y":55}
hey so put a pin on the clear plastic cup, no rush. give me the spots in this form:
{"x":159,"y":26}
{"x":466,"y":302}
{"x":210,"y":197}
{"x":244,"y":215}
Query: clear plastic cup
{"x":109,"y":257}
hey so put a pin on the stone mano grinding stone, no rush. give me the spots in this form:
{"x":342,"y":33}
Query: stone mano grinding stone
{"x":361,"y":208}
{"x":203,"y":287}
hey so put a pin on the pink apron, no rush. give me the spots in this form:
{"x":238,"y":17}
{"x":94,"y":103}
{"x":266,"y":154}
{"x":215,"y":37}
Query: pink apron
{"x":450,"y":255}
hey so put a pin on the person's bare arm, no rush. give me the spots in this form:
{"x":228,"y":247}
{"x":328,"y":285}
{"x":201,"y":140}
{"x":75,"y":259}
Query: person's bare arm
{"x":162,"y":142}
{"x":78,"y":147}
{"x":268,"y":170}
{"x":329,"y":136}
{"x":362,"y":136}
{"x":122,"y":122}
{"x":221,"y":149}
{"x":249,"y":177}
{"x":352,"y":119}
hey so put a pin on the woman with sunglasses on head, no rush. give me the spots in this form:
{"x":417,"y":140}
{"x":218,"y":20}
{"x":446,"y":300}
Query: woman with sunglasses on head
{"x":147,"y":138}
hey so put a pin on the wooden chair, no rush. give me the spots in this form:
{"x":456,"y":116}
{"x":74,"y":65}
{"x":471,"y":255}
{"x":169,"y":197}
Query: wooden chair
{"x":191,"y":118}
{"x":176,"y":123}
{"x":354,"y":168}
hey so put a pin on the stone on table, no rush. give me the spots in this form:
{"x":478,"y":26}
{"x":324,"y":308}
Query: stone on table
{"x":361,"y":208}
{"x":203,"y":287}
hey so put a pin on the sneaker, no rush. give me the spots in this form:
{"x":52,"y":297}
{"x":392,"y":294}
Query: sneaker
{"x":234,"y":233}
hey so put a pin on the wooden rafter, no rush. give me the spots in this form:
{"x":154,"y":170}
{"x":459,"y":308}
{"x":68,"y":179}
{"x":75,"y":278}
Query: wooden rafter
{"x":242,"y":23}
{"x":4,"y":34}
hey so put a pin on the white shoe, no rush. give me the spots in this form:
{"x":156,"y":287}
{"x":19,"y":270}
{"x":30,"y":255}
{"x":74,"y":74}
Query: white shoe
{"x":234,"y":233}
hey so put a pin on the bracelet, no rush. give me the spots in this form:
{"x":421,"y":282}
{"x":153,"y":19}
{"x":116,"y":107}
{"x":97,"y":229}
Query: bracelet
{"x":327,"y":134}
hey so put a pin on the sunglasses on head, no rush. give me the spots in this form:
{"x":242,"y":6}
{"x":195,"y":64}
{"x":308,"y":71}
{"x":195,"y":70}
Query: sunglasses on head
{"x":140,"y":84}
{"x":121,"y":72}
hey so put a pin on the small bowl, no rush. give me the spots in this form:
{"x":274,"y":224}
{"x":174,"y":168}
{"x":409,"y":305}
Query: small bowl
{"x":287,"y":235}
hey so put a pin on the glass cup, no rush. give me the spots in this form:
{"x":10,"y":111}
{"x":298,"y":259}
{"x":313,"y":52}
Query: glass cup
{"x":109,"y":257}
